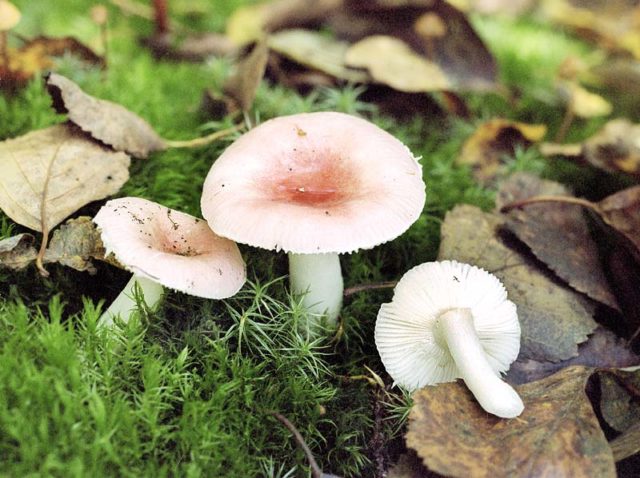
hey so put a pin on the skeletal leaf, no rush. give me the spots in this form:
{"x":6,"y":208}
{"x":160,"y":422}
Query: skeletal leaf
{"x":558,"y":234}
{"x":108,"y":122}
{"x":554,"y":319}
{"x":558,"y":433}
{"x":47,"y":175}
{"x":17,"y":252}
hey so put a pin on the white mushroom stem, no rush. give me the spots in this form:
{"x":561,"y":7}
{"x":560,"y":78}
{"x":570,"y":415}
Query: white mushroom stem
{"x":494,"y":395}
{"x":319,"y":278}
{"x":125,"y":303}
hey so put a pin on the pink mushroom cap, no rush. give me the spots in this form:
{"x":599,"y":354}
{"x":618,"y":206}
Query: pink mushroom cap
{"x":314,"y":183}
{"x":170,"y":247}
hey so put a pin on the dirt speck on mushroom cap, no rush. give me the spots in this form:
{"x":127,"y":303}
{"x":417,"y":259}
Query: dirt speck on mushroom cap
{"x":343,"y":185}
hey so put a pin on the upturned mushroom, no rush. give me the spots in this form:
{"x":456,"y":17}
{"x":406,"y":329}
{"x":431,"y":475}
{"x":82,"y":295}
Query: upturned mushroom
{"x":449,"y":320}
{"x":166,"y":248}
{"x":314,"y":185}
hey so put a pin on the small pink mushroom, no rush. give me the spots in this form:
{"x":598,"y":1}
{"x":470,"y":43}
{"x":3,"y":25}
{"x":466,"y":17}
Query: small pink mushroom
{"x":314,"y":185}
{"x":163,"y":247}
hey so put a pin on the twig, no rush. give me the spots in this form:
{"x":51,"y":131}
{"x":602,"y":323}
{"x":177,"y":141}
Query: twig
{"x":161,"y":16}
{"x":194,"y":143}
{"x":569,"y":115}
{"x":557,"y":199}
{"x":349,"y":291}
{"x":316,"y":472}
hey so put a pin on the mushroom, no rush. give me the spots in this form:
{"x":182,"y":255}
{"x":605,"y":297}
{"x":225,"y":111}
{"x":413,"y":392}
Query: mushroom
{"x":449,"y":320}
{"x":314,"y":185}
{"x":163,"y":247}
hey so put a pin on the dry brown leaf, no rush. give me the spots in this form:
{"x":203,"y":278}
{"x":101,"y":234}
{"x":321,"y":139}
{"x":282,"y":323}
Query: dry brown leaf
{"x":485,"y":148}
{"x":604,"y":349}
{"x":316,"y":50}
{"x":622,"y":212}
{"x":558,"y":234}
{"x":583,"y":103}
{"x":37,"y":55}
{"x":74,"y":244}
{"x":108,"y":122}
{"x":48,"y":174}
{"x":17,"y":252}
{"x":557,"y":434}
{"x":243,"y":84}
{"x":392,"y":62}
{"x":553,"y":318}
{"x":613,"y":23}
{"x":615,"y":148}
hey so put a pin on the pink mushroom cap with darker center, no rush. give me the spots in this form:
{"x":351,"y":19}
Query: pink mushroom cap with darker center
{"x":170,"y":247}
{"x":314,"y":183}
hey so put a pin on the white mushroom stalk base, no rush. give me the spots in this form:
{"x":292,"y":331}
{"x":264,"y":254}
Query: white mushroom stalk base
{"x":319,"y":278}
{"x":125,"y":303}
{"x":494,"y":395}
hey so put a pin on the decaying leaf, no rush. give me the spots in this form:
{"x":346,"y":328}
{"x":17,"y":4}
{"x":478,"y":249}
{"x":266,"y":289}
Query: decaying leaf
{"x":615,"y":148}
{"x":243,"y":84}
{"x":557,"y":434}
{"x":315,"y":50}
{"x":612,"y":23}
{"x":583,"y":103}
{"x":622,"y":212}
{"x":37,"y":55}
{"x":392,"y":62}
{"x":17,"y":252}
{"x":74,"y":243}
{"x":409,"y":465}
{"x":492,"y":140}
{"x":627,"y":444}
{"x":48,"y":174}
{"x":554,"y":319}
{"x":604,"y":349}
{"x":558,"y":234}
{"x":108,"y":122}
{"x":620,"y":409}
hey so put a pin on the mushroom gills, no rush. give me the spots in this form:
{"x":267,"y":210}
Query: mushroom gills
{"x":494,"y":395}
{"x":125,"y":303}
{"x":318,"y":278}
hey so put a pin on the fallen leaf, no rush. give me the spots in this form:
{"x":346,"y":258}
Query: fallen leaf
{"x":627,"y":444}
{"x":612,"y":24}
{"x":603,"y":349}
{"x":582,"y":102}
{"x":392,"y":62}
{"x":409,"y":465}
{"x":108,"y":122}
{"x":485,"y":148}
{"x":558,"y":234}
{"x":74,"y":244}
{"x":37,"y":55}
{"x":553,"y":318}
{"x":17,"y":252}
{"x":243,"y":84}
{"x":433,"y":29}
{"x":316,"y":50}
{"x":619,"y":408}
{"x":48,"y":174}
{"x":615,"y":148}
{"x":557,"y":434}
{"x":193,"y":48}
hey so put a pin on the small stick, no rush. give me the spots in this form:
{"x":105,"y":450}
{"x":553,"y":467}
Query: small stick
{"x":5,"y":49}
{"x":349,"y":291}
{"x":210,"y":138}
{"x":558,"y":199}
{"x":161,"y":16}
{"x":316,"y":472}
{"x":569,"y":115}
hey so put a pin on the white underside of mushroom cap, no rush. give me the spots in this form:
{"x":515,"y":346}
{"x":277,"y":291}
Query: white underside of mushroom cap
{"x":170,"y":247}
{"x":313,"y":183}
{"x":413,"y":353}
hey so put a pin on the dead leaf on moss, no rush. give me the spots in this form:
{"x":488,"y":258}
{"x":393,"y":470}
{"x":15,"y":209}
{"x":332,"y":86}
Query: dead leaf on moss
{"x":409,"y":465}
{"x":620,"y":409}
{"x":554,"y":318}
{"x":582,"y":102}
{"x":627,"y":444}
{"x":17,"y":252}
{"x":48,"y":174}
{"x":485,"y":148}
{"x":558,"y":234}
{"x":603,"y":349}
{"x":392,"y":62}
{"x":622,"y":212}
{"x":317,"y":51}
{"x":108,"y":122}
{"x":37,"y":55}
{"x":243,"y":85}
{"x":558,"y":433}
{"x":74,"y":244}
{"x":613,"y":24}
{"x":615,"y":148}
